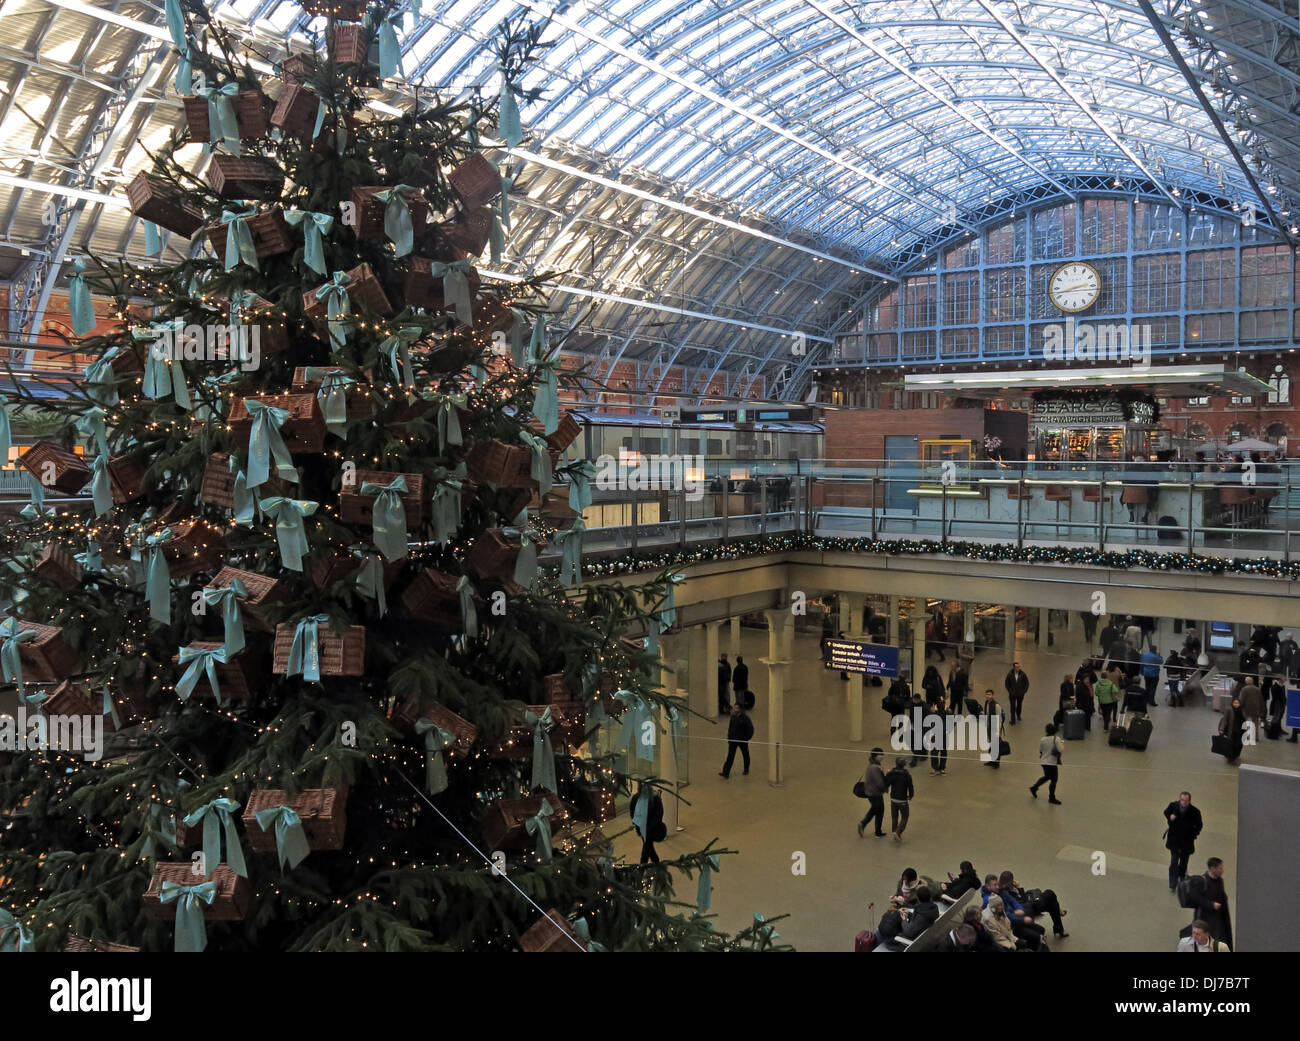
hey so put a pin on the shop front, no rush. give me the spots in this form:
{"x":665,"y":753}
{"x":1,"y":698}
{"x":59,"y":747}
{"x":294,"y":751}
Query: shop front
{"x":1091,"y":426}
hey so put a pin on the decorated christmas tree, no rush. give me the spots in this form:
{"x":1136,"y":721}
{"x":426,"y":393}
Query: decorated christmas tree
{"x":343,"y":706}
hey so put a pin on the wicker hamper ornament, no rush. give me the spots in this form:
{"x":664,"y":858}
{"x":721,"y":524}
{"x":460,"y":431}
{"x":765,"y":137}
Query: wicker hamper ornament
{"x":154,"y":200}
{"x":82,"y":945}
{"x":48,"y":658}
{"x":413,"y":710}
{"x":434,"y":597}
{"x":303,"y":431}
{"x":233,"y":896}
{"x":499,"y":464}
{"x":343,"y":10}
{"x":296,"y":111}
{"x":475,"y":181}
{"x":505,"y":823}
{"x":370,"y":211}
{"x":245,"y":177}
{"x":56,"y":467}
{"x":263,"y":591}
{"x":323,"y":812}
{"x":241,"y":676}
{"x":126,"y":476}
{"x":551,"y":935}
{"x":72,"y":699}
{"x":250,"y":116}
{"x":58,"y":566}
{"x":218,"y":485}
{"x":270,"y":231}
{"x":355,"y":507}
{"x":422,"y":288}
{"x":339,"y":655}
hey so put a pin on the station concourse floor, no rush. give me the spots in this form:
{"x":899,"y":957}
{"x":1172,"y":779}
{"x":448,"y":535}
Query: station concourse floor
{"x":1112,"y":802}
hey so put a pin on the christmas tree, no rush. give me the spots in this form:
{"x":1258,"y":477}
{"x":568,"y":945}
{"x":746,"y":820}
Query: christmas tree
{"x":344,"y":709}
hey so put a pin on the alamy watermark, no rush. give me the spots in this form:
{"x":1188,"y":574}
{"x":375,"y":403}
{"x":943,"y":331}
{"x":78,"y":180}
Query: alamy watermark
{"x":1098,"y":341}
{"x":638,"y":472}
{"x":39,"y":732}
{"x":919,"y":730}
{"x":241,"y":344}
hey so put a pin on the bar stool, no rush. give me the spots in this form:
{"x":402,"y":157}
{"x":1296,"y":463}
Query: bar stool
{"x":1133,"y":495}
{"x":1060,"y":493}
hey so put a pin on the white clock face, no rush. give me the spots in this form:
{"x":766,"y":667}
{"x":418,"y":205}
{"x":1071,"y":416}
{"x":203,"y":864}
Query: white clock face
{"x":1075,"y":287}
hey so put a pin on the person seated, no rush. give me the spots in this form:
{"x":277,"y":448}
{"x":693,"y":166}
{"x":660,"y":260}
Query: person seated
{"x":891,"y":925}
{"x":1040,"y":903}
{"x":958,"y":938}
{"x":921,"y":916}
{"x":907,"y":884}
{"x":984,"y":941}
{"x":962,"y":883}
{"x":1022,"y":920}
{"x":997,"y":924}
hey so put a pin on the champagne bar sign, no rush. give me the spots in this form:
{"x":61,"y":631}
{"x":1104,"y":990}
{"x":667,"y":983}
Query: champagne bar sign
{"x":1102,"y":410}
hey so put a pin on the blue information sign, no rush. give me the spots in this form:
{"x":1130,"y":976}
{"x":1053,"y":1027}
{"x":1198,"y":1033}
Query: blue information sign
{"x":868,"y":659}
{"x":1293,"y":708}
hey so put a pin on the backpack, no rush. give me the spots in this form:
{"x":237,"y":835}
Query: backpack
{"x":1187,"y":892}
{"x":747,"y":699}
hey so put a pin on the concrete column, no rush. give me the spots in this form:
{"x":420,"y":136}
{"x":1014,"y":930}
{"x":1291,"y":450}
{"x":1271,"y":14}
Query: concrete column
{"x":968,"y":622}
{"x":702,"y":676}
{"x":735,"y":640}
{"x":1044,"y":628}
{"x":1009,"y":644}
{"x":711,"y":669}
{"x":919,"y":618}
{"x":851,"y":606}
{"x":892,"y":638}
{"x":780,"y":628}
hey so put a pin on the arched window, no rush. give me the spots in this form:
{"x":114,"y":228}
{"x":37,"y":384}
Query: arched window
{"x":1279,"y":383}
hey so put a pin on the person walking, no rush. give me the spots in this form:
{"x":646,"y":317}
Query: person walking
{"x":874,"y":784}
{"x":1151,"y":663}
{"x":1182,"y":825}
{"x":1049,"y":758}
{"x":647,"y":810}
{"x":958,"y":690}
{"x":1209,"y":898}
{"x":1201,"y":941}
{"x":1288,"y":656}
{"x":1133,"y":637}
{"x":724,"y":684}
{"x":936,"y":735}
{"x":901,"y":790}
{"x":1017,"y":684}
{"x":914,"y":728}
{"x":1089,"y":626}
{"x":1107,"y":696}
{"x":932,"y":684}
{"x":739,"y":730}
{"x":1233,"y":726}
{"x":1252,"y":703}
{"x":1083,"y":699}
{"x":1174,"y":677}
{"x":992,"y":727}
{"x":740,"y":676}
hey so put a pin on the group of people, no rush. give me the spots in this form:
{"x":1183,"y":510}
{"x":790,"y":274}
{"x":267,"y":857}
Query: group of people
{"x":740,"y":727}
{"x":1205,"y":895}
{"x":1004,"y":921}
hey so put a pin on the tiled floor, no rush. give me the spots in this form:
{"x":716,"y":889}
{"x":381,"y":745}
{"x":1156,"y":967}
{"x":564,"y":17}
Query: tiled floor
{"x":1112,"y":797}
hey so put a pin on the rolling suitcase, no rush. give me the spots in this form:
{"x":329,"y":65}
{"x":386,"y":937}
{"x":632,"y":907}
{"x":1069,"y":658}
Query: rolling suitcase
{"x":1118,"y":733}
{"x":1074,"y":720}
{"x":1139,"y":733}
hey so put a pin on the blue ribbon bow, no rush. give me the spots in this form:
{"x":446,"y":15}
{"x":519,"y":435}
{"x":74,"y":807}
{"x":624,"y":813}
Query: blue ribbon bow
{"x":80,"y":304}
{"x":543,"y":750}
{"x":191,"y":932}
{"x":201,"y":661}
{"x":304,"y":652}
{"x":546,"y":400}
{"x":266,"y":445}
{"x":291,"y":846}
{"x":222,"y":124}
{"x":388,"y":516}
{"x":240,"y":248}
{"x":315,"y":226}
{"x":176,"y":30}
{"x":468,"y":612}
{"x":333,"y":397}
{"x":158,"y":585}
{"x":228,"y":598}
{"x":396,"y":347}
{"x":218,"y":816}
{"x":242,"y":497}
{"x":436,"y":740}
{"x":455,"y":287}
{"x":583,"y":932}
{"x":101,"y":486}
{"x":636,"y":714}
{"x":338,"y":305}
{"x":449,"y":432}
{"x":397,"y":217}
{"x":370,"y":582}
{"x":541,"y":460}
{"x":164,"y":374}
{"x":15,"y":937}
{"x":446,"y":504}
{"x":101,"y":380}
{"x":704,"y":891}
{"x":11,"y":662}
{"x":571,"y":562}
{"x":580,"y":478}
{"x":512,"y":131}
{"x":540,"y":825}
{"x":526,"y":561}
{"x":290,"y":531}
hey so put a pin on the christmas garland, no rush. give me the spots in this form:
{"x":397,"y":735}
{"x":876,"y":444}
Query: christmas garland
{"x":627,"y":563}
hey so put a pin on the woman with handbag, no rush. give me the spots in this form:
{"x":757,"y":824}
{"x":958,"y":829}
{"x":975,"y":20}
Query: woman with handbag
{"x":1049,"y":758}
{"x":1231,"y":728}
{"x":872,"y":788}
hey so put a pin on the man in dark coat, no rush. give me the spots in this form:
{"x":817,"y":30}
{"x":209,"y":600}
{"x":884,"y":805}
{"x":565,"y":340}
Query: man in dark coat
{"x":1210,"y":901}
{"x":724,"y":682}
{"x":740,"y":677}
{"x":1017,"y":684}
{"x":1183,"y":825}
{"x":739,"y":730}
{"x":922,"y":916}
